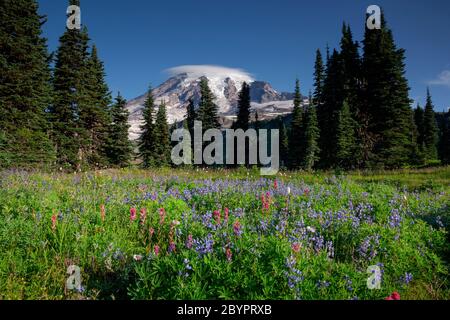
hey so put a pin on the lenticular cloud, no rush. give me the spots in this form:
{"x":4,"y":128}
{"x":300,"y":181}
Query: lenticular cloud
{"x":209,"y":71}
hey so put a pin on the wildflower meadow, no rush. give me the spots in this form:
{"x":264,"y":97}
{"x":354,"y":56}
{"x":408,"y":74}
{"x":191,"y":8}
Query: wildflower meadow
{"x":224,"y":234}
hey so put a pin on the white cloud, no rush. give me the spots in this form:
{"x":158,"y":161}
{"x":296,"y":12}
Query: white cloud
{"x":210,"y":71}
{"x":443,"y":79}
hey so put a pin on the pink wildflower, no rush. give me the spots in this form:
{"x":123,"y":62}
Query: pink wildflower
{"x":394,"y":296}
{"x":143,"y":215}
{"x":229,"y":254}
{"x":162,"y":215}
{"x":217,"y":216}
{"x":54,"y":220}
{"x":296,"y":247}
{"x":133,"y":212}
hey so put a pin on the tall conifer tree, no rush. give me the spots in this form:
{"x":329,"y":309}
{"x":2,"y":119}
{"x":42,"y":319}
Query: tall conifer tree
{"x":162,"y":138}
{"x":312,"y":150}
{"x":430,"y":130}
{"x":94,"y":111}
{"x":207,"y":112}
{"x":25,"y":91}
{"x":386,"y":99}
{"x":118,"y":147}
{"x":69,"y":95}
{"x":296,"y":142}
{"x":147,"y":138}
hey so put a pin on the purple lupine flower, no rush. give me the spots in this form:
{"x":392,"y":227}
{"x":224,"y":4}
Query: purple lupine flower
{"x":204,"y":246}
{"x":395,"y":219}
{"x":407,"y":278}
{"x":293,"y":275}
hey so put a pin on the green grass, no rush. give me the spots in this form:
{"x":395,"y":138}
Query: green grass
{"x":338,"y":224}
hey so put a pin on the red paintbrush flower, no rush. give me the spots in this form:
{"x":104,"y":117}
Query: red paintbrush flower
{"x":229,"y":254}
{"x":162,"y":215}
{"x":393,"y":296}
{"x":143,"y":215}
{"x":54,"y":220}
{"x":217,"y":216}
{"x":133,"y":215}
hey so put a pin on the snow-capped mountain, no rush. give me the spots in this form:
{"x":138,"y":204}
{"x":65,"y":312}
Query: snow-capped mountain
{"x":225,"y":83}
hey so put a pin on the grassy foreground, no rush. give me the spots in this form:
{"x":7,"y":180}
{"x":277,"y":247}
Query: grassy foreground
{"x":221,"y":234}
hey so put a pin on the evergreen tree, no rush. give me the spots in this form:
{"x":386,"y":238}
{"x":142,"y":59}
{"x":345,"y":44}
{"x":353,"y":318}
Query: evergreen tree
{"x":311,"y":154}
{"x":147,"y":138}
{"x":328,"y":112}
{"x":93,"y":111}
{"x":243,"y":120}
{"x":243,"y":116}
{"x":445,"y":140}
{"x":351,"y":68}
{"x":25,"y":91}
{"x":191,"y":116}
{"x":319,"y":78}
{"x":119,"y":148}
{"x":284,"y":143}
{"x":419,"y":122}
{"x":430,"y":131}
{"x":296,"y":142}
{"x":386,"y":99}
{"x":257,"y":126}
{"x":346,"y":138}
{"x":69,"y":95}
{"x":190,"y":122}
{"x":207,"y":111}
{"x":162,"y":138}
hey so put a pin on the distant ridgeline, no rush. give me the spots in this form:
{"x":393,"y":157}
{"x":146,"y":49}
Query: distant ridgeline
{"x":60,"y":115}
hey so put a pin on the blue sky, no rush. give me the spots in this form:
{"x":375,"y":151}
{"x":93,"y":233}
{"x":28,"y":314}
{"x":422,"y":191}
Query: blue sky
{"x":273,"y":40}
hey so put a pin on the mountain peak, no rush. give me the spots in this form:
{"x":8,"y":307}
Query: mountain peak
{"x":225,"y":84}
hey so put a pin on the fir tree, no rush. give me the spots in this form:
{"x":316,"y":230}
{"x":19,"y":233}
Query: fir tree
{"x":430,"y":131}
{"x":191,"y":116}
{"x":119,"y":148}
{"x":419,"y":122}
{"x":284,"y":143}
{"x":386,"y":99}
{"x":190,"y":123}
{"x":243,"y":116}
{"x":69,"y":95}
{"x":333,"y":98}
{"x":351,"y":68}
{"x":312,"y":150}
{"x":445,"y":140}
{"x":207,"y":111}
{"x":25,"y":91}
{"x":93,"y":111}
{"x":345,"y":138}
{"x":319,"y":78}
{"x":162,"y":138}
{"x":147,"y":138}
{"x":243,"y":120}
{"x":296,"y":142}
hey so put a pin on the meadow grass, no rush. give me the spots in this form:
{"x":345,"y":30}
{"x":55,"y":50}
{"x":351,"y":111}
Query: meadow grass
{"x":224,"y":234}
